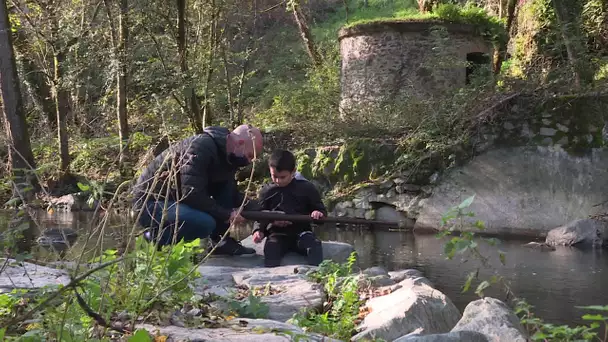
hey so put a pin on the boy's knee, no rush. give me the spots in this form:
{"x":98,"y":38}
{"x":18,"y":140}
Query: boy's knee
{"x":307,"y":240}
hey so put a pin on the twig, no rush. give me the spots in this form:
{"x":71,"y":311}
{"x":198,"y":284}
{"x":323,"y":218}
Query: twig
{"x":54,"y":295}
{"x":273,"y":7}
{"x":94,"y":315}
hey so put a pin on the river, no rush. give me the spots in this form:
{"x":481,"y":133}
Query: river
{"x":553,"y":282}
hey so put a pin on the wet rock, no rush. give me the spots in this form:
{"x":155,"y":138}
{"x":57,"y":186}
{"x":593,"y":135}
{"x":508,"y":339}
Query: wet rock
{"x":586,"y":232}
{"x":238,"y":330}
{"x":25,"y":275}
{"x":541,"y":246}
{"x":494,"y":319}
{"x":414,"y":305}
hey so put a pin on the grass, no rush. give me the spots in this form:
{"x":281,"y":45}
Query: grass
{"x":487,"y":26}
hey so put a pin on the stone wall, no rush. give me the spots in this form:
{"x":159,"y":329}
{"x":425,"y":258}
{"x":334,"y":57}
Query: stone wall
{"x":383,"y":61}
{"x":538,"y":164}
{"x":392,"y":200}
{"x":574,"y":123}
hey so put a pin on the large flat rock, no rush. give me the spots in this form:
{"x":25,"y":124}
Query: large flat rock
{"x":25,"y":275}
{"x":296,"y":291}
{"x":238,"y":330}
{"x":523,"y":190}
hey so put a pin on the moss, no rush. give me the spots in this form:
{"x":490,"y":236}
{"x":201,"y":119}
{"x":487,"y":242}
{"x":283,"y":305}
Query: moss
{"x":490,"y":28}
{"x":352,"y":162}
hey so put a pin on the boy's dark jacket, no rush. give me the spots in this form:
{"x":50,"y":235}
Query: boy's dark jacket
{"x":202,"y":169}
{"x":299,"y":197}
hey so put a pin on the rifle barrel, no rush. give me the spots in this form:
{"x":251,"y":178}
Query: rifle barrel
{"x":271,"y":216}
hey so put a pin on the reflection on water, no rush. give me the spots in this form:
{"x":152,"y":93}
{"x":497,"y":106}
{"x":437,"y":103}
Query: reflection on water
{"x":553,"y":282}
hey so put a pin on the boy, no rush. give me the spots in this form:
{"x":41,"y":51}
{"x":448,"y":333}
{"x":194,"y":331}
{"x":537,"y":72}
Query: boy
{"x":290,"y":195}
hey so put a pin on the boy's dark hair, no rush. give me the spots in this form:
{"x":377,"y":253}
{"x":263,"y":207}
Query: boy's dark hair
{"x":282,"y":160}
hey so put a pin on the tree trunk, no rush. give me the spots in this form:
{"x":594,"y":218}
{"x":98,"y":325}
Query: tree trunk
{"x":121,"y":85}
{"x":305,"y":34}
{"x":193,"y":106}
{"x":574,"y":51}
{"x":499,"y":53}
{"x":39,"y":91}
{"x":61,"y":109}
{"x":212,"y":46}
{"x":21,"y":157}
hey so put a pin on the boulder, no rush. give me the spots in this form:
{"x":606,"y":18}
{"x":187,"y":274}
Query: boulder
{"x":25,"y":275}
{"x":237,"y":330}
{"x":414,"y":304}
{"x":494,"y":319}
{"x":586,"y":232}
{"x":526,"y":190}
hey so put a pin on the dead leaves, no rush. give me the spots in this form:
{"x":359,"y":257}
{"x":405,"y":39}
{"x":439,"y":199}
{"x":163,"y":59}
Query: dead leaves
{"x":371,"y":292}
{"x":243,"y":291}
{"x":367,"y":294}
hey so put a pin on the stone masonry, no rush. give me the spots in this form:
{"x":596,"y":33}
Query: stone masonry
{"x":384,"y":61}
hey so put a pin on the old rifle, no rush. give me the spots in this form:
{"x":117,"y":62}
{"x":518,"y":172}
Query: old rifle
{"x":274,"y":216}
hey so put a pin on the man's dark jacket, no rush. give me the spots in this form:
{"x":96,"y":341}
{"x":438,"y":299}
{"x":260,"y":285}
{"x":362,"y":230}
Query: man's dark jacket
{"x":299,"y":197}
{"x":200,"y":169}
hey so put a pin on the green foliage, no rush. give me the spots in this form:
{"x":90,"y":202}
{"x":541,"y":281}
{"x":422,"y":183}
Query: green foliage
{"x":252,"y":307}
{"x":140,"y":335}
{"x":338,"y":317}
{"x":542,"y":331}
{"x":146,"y":280}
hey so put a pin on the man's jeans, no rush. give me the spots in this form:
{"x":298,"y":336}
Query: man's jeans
{"x":191,"y":223}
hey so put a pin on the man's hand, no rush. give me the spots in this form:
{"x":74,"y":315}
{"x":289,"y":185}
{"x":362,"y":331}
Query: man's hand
{"x":236,"y":218}
{"x":258,"y":236}
{"x":316,"y":215}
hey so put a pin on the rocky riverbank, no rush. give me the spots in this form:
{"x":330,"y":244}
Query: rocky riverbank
{"x":399,"y":306}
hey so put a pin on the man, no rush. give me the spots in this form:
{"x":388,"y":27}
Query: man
{"x":195,"y":181}
{"x":291,"y":196}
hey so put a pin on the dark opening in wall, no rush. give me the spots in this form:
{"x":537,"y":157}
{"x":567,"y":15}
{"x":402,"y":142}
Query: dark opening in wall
{"x":475,"y":61}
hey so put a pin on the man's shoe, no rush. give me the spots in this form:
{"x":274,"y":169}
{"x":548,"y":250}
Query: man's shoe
{"x":232,"y":247}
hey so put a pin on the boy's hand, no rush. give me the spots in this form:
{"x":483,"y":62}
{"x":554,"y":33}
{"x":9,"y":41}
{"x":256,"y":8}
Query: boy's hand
{"x":279,"y":223}
{"x":258,"y":236}
{"x":316,"y":215}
